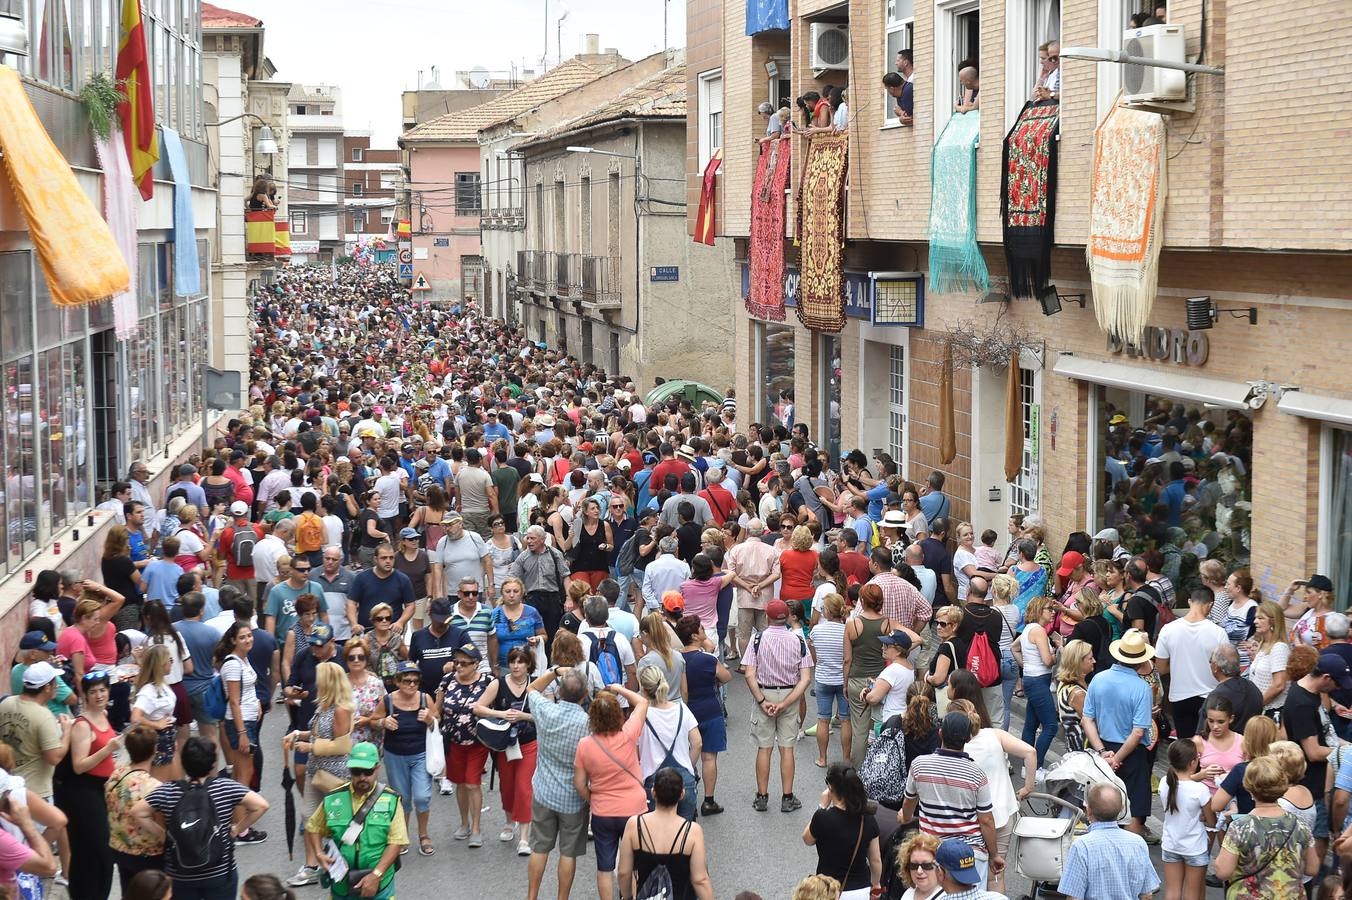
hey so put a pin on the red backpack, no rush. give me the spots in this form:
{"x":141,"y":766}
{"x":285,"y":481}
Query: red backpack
{"x":981,"y":662}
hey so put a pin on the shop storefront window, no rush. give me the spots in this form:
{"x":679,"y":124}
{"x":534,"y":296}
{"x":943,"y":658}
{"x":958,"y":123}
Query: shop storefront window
{"x":1175,"y":478}
{"x":1338,"y":527}
{"x":775,"y":378}
{"x":21,"y":502}
{"x":829,"y":425}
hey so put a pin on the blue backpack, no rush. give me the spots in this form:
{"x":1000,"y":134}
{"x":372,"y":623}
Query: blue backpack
{"x":213,"y":701}
{"x":606,"y":654}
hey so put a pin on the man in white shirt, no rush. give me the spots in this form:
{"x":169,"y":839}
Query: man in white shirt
{"x":117,"y":499}
{"x":1183,"y":652}
{"x":915,"y":558}
{"x":1049,"y":81}
{"x":267,"y":551}
{"x":666,"y":573}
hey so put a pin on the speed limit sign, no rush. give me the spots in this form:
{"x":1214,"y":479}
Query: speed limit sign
{"x":406,"y":255}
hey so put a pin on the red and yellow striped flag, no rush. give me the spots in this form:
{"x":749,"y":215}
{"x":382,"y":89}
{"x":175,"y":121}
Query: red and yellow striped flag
{"x":137,"y":111}
{"x":704,"y":219}
{"x":260,"y":233}
{"x":283,"y":238}
{"x":405,"y":228}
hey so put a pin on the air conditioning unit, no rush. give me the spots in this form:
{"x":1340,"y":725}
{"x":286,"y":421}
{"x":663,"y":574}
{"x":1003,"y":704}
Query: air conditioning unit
{"x":830,"y":46}
{"x":1151,"y":84}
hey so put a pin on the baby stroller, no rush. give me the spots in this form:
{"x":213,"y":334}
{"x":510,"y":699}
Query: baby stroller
{"x":1043,"y":835}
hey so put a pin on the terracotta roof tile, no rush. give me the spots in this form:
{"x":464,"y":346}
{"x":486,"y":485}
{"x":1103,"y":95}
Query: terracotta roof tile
{"x":219,"y":17}
{"x":465,"y":124}
{"x":659,"y":96}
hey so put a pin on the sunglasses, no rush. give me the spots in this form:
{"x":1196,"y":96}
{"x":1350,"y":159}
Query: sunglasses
{"x":412,"y":679}
{"x":465,"y":662}
{"x":361,"y":773}
{"x":469,"y":593}
{"x":381,"y":618}
{"x":356,"y":657}
{"x":301,"y":569}
{"x":921,"y":866}
{"x":93,"y":677}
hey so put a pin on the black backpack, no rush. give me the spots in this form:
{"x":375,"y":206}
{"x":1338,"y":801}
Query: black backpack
{"x":195,"y":829}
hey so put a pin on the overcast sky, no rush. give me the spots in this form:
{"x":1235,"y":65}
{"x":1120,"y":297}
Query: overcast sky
{"x":374,"y":49}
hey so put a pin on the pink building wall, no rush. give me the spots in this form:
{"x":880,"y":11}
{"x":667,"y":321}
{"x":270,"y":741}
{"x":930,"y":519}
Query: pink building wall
{"x":432,"y":171}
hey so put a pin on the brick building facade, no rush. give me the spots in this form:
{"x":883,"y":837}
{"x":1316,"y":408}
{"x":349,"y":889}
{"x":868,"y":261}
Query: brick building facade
{"x":1257,"y":214}
{"x":373,"y":185}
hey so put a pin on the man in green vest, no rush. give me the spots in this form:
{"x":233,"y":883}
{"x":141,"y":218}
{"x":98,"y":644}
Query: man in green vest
{"x":370,"y":849}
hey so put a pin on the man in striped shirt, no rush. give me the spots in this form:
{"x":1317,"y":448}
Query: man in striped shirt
{"x":778,"y":672}
{"x":953,"y":795}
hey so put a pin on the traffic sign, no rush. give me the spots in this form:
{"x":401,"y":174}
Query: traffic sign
{"x":405,"y":270}
{"x":405,"y":255}
{"x":420,"y":284}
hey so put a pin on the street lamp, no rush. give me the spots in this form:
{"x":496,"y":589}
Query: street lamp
{"x":601,"y":152}
{"x":266,"y":144}
{"x":13,"y":34}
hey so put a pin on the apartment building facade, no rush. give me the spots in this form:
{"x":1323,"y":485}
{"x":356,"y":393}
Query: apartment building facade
{"x":609,"y":274}
{"x":315,"y":163}
{"x":374,"y":185}
{"x":1246,"y":225}
{"x":442,"y":159}
{"x":78,"y":403}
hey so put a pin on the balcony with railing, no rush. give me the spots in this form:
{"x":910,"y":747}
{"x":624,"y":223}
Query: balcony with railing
{"x":600,"y":281}
{"x":568,"y":275}
{"x":523,"y":276}
{"x":503,"y":218}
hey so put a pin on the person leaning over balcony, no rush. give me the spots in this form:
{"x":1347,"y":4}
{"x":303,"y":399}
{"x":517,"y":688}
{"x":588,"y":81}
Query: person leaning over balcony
{"x":970,"y":82}
{"x":899,"y":89}
{"x":773,"y":127}
{"x":260,"y":197}
{"x":1049,"y":77}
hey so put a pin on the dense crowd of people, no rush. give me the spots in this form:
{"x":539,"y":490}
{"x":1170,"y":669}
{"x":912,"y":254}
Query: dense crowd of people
{"x":433,"y":545}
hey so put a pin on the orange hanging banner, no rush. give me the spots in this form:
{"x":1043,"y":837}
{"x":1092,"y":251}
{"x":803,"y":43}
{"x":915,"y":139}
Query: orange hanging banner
{"x":704,"y":220}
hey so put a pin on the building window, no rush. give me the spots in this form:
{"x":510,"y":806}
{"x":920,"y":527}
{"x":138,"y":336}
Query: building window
{"x":774,"y":373}
{"x":328,"y":152}
{"x":781,"y":82}
{"x":300,"y":109}
{"x":356,"y":188}
{"x":585,"y":217}
{"x":358,"y":221}
{"x":560,"y":217}
{"x":563,"y":333}
{"x":297,"y":152}
{"x":588,"y":349}
{"x":1114,"y":17}
{"x":615,"y":353}
{"x":466,"y":193}
{"x":899,"y":25}
{"x":896,"y":403}
{"x":298,"y":223}
{"x":386,"y":216}
{"x":1135,"y":484}
{"x":1023,"y":491}
{"x":389,"y":181}
{"x":957,"y":41}
{"x":828,"y":368}
{"x":1029,"y":24}
{"x":613,"y":215}
{"x":356,"y":154}
{"x":710,"y":115}
{"x":1335,"y":520}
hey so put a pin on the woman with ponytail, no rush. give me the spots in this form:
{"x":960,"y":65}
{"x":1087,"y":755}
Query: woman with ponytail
{"x":1184,"y":844}
{"x":671,"y":737}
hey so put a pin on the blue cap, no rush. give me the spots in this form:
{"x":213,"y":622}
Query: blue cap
{"x":897,"y":638}
{"x":958,"y":859}
{"x":407,"y":668}
{"x":36,"y":640}
{"x":321,"y":634}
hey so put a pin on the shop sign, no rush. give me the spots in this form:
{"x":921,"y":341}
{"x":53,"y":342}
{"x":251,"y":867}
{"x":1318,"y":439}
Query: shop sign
{"x":1176,"y":345}
{"x":1034,"y":430}
{"x":858,"y":291}
{"x":305,"y":246}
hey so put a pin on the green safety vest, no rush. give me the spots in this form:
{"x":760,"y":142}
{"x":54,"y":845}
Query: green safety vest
{"x":375,"y":832}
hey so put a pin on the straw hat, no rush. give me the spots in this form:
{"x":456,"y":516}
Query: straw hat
{"x":1132,"y":648}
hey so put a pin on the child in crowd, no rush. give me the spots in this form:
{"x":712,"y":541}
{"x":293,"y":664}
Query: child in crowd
{"x":1186,"y":815}
{"x":987,"y":557}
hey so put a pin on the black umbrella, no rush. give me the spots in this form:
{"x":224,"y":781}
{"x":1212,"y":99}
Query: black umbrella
{"x":288,"y":782}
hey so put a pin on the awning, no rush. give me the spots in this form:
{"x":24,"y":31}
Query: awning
{"x":80,"y":259}
{"x":1225,"y":394}
{"x":1317,"y":406}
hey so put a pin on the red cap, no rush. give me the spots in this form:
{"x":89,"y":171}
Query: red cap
{"x":776,"y":609}
{"x":1070,"y":561}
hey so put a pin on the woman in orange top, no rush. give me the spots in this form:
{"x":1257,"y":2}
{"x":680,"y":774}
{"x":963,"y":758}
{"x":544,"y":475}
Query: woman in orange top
{"x":797,"y":565}
{"x":606,"y":773}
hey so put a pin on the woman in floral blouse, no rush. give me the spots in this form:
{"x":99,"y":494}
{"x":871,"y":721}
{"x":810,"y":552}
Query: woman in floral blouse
{"x":465,"y":756}
{"x":385,"y":644}
{"x":134,"y":849}
{"x":367,"y":693}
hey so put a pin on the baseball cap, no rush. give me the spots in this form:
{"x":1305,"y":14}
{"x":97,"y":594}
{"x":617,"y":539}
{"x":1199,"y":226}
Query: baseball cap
{"x":320,"y":635}
{"x":407,"y":668}
{"x":1319,"y":583}
{"x":187,"y":469}
{"x":36,"y":640}
{"x":423,"y":463}
{"x":408,"y":534}
{"x":956,"y":857}
{"x":468,"y":649}
{"x":624,"y":464}
{"x":777,"y":609}
{"x":897,"y":638}
{"x":239,"y":508}
{"x":440,"y":609}
{"x":452,"y":516}
{"x":1118,"y":419}
{"x":957,"y":727}
{"x":407,"y":448}
{"x":1070,"y":561}
{"x":1109,"y":534}
{"x":39,"y":674}
{"x":672,"y":601}
{"x":363,"y":756}
{"x":1330,"y":664}
{"x":535,"y":478}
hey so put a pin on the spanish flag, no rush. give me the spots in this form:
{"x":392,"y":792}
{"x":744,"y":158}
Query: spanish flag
{"x":260,"y":233}
{"x":283,"y":238}
{"x":704,"y":220}
{"x":137,"y":111}
{"x":405,"y":229}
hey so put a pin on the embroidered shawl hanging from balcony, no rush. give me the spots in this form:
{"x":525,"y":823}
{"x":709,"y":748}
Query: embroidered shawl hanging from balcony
{"x":955,"y":260}
{"x":79,"y":257}
{"x":1028,"y":198}
{"x":821,"y":283}
{"x":704,"y":219}
{"x":1126,"y":219}
{"x":765,"y":291}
